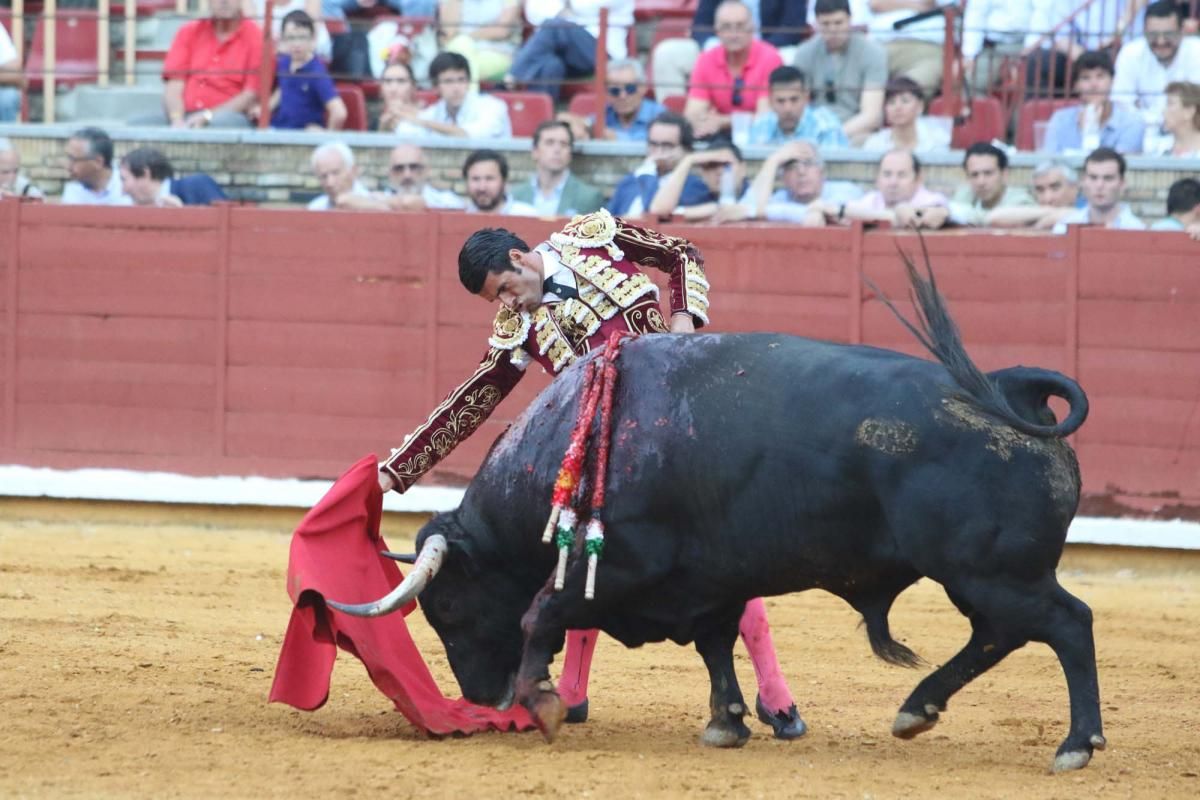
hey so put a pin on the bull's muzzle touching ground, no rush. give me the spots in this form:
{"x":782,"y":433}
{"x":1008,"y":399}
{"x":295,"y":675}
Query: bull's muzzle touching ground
{"x":427,"y":564}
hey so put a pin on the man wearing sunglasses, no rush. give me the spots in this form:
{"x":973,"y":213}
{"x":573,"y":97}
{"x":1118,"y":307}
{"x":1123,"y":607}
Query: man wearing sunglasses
{"x":847,"y":70}
{"x":1145,"y":66}
{"x":627,"y":111}
{"x":408,"y":187}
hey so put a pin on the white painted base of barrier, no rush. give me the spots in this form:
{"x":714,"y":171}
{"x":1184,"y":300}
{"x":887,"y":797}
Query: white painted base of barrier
{"x":164,"y":487}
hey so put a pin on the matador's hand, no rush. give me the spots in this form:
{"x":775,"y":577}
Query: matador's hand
{"x":682,"y":322}
{"x":386,"y":483}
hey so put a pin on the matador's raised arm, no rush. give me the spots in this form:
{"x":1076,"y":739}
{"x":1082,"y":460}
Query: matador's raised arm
{"x":671,"y":254}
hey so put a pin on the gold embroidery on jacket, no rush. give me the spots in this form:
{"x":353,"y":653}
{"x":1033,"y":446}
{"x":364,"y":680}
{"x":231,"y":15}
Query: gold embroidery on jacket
{"x":646,"y":319}
{"x":597,"y":300}
{"x":478,"y":402}
{"x":550,"y":339}
{"x":509,"y":329}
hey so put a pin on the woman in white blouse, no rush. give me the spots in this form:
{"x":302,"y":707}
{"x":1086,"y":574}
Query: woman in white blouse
{"x":907,"y":128}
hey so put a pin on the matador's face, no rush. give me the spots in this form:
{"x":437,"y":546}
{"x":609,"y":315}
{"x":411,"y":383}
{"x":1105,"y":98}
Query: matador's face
{"x":518,"y":288}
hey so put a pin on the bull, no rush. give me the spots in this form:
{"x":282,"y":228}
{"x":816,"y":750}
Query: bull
{"x":746,"y":465}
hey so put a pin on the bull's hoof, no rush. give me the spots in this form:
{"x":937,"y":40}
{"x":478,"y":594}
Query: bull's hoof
{"x":908,"y":725}
{"x":577,"y":713}
{"x":785,"y":724}
{"x":548,"y":712}
{"x":1098,"y":741}
{"x":717,"y":736}
{"x":1073,"y":759}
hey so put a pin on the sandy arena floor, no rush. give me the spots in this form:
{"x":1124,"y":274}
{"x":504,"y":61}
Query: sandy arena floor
{"x":137,"y":645}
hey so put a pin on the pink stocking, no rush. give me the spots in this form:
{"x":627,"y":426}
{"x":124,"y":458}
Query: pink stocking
{"x":572,"y":686}
{"x":756,"y":634}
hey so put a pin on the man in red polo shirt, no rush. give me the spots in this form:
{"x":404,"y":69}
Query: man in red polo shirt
{"x":211,"y":71}
{"x":732,"y":76}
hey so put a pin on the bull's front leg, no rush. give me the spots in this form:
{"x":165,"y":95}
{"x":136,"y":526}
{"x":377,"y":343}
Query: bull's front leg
{"x":715,"y":642}
{"x":544,"y":631}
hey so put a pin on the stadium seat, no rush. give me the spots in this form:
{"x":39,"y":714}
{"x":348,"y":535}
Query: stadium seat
{"x":985,"y":123}
{"x":76,"y":33}
{"x":675,"y":103}
{"x":527,"y":110}
{"x":356,"y":106}
{"x":646,"y":10}
{"x":1035,"y":111}
{"x":583,"y":104}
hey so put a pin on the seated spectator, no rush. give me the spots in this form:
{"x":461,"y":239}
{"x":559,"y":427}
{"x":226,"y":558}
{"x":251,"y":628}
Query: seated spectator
{"x":12,"y":182}
{"x":552,"y":190}
{"x":992,"y":31}
{"x":1056,"y":194}
{"x":1103,"y":185}
{"x":1160,"y":56}
{"x":149,"y":180}
{"x":805,"y":195}
{"x":780,"y":22}
{"x":1183,"y":208}
{"x":907,"y":126}
{"x":563,"y":44}
{"x":987,"y":186}
{"x":12,"y":79}
{"x":306,"y":98}
{"x":722,"y":170}
{"x":408,"y":187}
{"x":333,"y":164}
{"x":485,"y":32}
{"x":89,"y":163}
{"x":847,"y":71}
{"x":628,"y":113}
{"x":1097,"y":121}
{"x":668,"y":140}
{"x":915,"y":51}
{"x":256,"y":10}
{"x":211,"y":72}
{"x":731,"y":76}
{"x":1092,"y":27}
{"x":791,"y":117}
{"x":338,"y":9}
{"x":401,"y":106}
{"x":1181,"y":119}
{"x":900,"y":196}
{"x":486,"y":174}
{"x":460,"y":111}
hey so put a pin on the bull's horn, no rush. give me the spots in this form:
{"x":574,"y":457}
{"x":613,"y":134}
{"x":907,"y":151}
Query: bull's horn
{"x":403,"y":558}
{"x":428,"y":562}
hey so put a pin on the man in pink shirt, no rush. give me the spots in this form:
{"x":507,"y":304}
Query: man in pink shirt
{"x":211,"y":71}
{"x":900,"y":197}
{"x":732,"y":76}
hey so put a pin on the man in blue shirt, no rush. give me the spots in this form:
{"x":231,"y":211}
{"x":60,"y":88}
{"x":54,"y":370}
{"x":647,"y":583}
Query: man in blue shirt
{"x":1097,"y":121}
{"x":306,"y":93}
{"x":627,"y":111}
{"x":668,"y":140}
{"x":792,"y":118}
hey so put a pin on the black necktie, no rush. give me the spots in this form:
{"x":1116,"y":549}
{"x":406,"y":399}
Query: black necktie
{"x":562,"y":291}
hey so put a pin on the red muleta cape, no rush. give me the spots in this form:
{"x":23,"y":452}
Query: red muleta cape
{"x":335,"y":553}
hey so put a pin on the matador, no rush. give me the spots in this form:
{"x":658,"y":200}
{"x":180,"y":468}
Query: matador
{"x":560,"y":300}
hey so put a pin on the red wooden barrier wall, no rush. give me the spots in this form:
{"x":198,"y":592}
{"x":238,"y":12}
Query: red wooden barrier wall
{"x":286,"y":343}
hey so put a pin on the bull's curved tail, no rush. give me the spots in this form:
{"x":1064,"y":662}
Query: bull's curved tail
{"x":939,"y":334}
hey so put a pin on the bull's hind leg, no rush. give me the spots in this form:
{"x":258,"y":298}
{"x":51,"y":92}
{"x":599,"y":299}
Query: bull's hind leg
{"x":1005,"y":615}
{"x":983,"y":650}
{"x":714,"y":642}
{"x":1068,"y":630}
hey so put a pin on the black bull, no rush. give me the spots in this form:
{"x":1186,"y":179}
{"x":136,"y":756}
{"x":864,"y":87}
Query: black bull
{"x":746,"y":465}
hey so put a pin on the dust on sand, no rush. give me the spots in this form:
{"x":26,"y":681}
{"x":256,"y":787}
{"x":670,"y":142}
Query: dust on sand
{"x":137,"y":645}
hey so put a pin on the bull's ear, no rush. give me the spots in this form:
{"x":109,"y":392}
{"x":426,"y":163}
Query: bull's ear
{"x":403,"y":558}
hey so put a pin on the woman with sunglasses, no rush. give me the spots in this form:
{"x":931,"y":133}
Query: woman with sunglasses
{"x":906,"y":126}
{"x":398,"y":86}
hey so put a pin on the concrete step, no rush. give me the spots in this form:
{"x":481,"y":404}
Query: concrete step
{"x":113,"y":103}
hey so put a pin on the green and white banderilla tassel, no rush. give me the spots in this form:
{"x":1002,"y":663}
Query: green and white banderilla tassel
{"x":564,"y":540}
{"x":593,"y":545}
